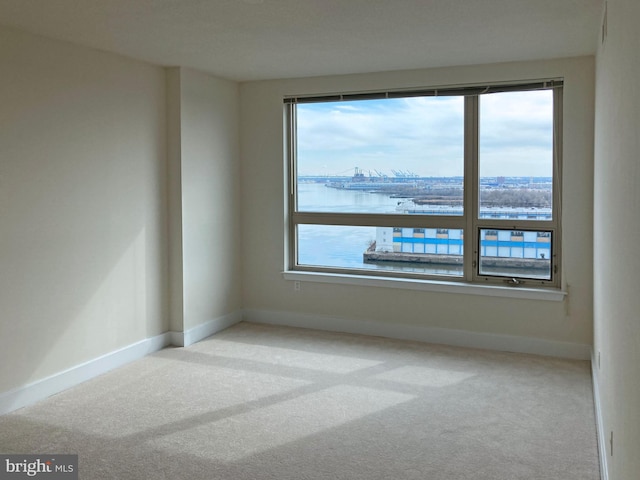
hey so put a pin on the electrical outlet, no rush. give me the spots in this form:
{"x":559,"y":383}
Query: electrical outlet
{"x":296,"y":286}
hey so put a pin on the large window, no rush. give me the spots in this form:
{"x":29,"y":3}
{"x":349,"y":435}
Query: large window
{"x":458,"y":183}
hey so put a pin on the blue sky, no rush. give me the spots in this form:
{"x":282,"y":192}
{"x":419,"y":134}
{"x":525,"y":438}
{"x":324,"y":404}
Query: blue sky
{"x":424,"y":135}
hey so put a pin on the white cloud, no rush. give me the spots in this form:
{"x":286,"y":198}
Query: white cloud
{"x":424,"y":135}
{"x":516,"y":134}
{"x":403,"y":134}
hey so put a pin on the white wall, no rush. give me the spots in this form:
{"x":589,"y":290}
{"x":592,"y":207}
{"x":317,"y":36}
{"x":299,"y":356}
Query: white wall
{"x":263,"y":176}
{"x":616,"y":265}
{"x":82,"y":205}
{"x":119,"y":205}
{"x":205,"y":198}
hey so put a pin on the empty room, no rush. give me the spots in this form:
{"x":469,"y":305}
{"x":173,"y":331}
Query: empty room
{"x":313,"y":239}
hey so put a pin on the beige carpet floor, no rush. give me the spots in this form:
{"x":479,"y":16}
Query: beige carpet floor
{"x":265,"y":402}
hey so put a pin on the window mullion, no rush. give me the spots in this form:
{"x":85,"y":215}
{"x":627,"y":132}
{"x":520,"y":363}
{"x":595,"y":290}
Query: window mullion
{"x":514,"y":224}
{"x":471,"y":182}
{"x":378,"y":220}
{"x":557,"y":182}
{"x":291,"y":247}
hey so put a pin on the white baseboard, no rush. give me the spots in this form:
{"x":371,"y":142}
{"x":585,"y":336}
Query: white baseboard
{"x":195,"y":334}
{"x":602,"y":437}
{"x":461,"y":338}
{"x":31,"y":393}
{"x":36,"y":391}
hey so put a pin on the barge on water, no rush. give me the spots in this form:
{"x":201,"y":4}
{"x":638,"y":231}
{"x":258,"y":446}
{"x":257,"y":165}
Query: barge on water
{"x":500,"y":249}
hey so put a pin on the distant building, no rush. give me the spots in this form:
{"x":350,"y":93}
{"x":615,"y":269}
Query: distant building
{"x":493,"y":243}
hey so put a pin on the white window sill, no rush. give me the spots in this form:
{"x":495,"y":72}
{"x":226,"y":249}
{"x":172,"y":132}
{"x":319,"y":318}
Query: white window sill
{"x":553,"y":295}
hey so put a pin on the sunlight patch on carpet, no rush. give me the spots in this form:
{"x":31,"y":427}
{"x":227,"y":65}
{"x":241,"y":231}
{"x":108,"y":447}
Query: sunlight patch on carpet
{"x":166,"y":399}
{"x":288,"y":357}
{"x":424,"y":376}
{"x":259,"y":430}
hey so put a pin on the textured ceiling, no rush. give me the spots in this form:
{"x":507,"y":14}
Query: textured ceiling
{"x":262,"y":39}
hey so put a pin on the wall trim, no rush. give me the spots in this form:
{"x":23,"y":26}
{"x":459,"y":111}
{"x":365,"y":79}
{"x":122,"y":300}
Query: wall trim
{"x":41,"y":389}
{"x":204,"y":330}
{"x":56,"y":383}
{"x":602,"y":438}
{"x":460,"y":338}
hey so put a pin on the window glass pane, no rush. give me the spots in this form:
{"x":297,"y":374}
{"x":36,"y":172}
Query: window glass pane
{"x":317,"y":197}
{"x":516,"y":155}
{"x":515,"y":253}
{"x":416,"y":250}
{"x":364,"y":156}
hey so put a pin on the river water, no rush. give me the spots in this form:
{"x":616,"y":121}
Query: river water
{"x":343,"y":246}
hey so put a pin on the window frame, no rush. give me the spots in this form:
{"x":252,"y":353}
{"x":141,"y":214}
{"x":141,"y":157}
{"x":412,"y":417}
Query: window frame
{"x":469,"y":222}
